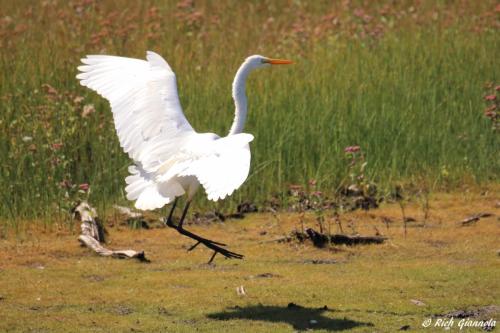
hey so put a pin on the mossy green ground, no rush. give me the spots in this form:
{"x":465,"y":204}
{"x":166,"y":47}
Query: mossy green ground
{"x":50,"y":284}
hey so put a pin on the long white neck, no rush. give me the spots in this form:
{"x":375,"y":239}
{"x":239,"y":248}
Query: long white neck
{"x":240,"y":98}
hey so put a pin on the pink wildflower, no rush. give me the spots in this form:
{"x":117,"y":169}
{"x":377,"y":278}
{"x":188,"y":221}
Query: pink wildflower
{"x":352,"y":149}
{"x":84,"y":187}
{"x":490,"y":114}
{"x":56,"y":146}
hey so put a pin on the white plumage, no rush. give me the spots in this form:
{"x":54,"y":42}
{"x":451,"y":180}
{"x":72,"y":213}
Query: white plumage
{"x":170,"y":158}
{"x":153,"y":130}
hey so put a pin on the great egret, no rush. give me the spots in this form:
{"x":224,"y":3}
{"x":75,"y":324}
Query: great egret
{"x":170,"y":158}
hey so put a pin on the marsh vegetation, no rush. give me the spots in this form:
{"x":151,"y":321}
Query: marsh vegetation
{"x":407,"y":82}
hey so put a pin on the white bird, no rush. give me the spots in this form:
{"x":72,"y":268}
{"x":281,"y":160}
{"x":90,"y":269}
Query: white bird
{"x":170,"y":158}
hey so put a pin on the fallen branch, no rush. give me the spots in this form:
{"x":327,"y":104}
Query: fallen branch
{"x":134,"y":220}
{"x":128,"y":212}
{"x":320,"y":240}
{"x":93,"y":234}
{"x":473,"y":219}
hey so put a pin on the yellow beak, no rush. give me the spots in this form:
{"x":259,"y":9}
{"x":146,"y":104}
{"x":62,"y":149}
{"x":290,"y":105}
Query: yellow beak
{"x":278,"y":61}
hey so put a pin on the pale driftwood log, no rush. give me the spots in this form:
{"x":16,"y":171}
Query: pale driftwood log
{"x":93,"y":234}
{"x":128,"y":212}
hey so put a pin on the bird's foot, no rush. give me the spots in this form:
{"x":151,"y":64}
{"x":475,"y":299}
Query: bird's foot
{"x":216,"y":248}
{"x":213,"y":245}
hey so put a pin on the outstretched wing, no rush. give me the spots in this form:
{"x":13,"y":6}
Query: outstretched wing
{"x":144,"y":100}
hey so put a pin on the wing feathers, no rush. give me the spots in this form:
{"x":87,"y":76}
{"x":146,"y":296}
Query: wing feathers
{"x":224,"y":167}
{"x":157,"y":60}
{"x":143,"y":97}
{"x":148,"y":193}
{"x":153,"y":130}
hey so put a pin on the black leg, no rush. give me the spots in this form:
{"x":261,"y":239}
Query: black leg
{"x":212,"y":258}
{"x":184,"y":213}
{"x":213,"y":245}
{"x":181,"y":222}
{"x":168,"y":221}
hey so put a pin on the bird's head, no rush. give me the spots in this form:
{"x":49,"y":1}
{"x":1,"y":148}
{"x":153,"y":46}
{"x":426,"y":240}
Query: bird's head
{"x":256,"y":61}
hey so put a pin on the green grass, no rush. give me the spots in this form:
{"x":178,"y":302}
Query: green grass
{"x":412,"y":98}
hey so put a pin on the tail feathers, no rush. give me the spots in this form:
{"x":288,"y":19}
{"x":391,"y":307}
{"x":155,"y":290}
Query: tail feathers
{"x":148,"y":194}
